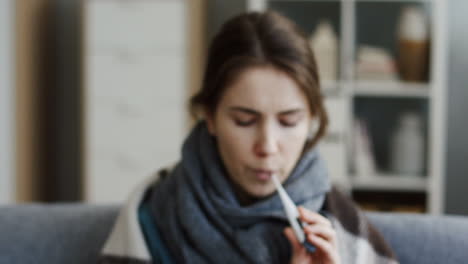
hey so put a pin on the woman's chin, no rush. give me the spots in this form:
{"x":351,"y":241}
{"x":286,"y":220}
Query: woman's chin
{"x":261,"y":192}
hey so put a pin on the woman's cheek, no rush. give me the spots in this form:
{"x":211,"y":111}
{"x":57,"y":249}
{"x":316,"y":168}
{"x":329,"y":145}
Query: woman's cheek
{"x":297,"y":137}
{"x":236,"y":144}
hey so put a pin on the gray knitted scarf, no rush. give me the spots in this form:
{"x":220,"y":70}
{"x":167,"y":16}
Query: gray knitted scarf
{"x":201,"y":220}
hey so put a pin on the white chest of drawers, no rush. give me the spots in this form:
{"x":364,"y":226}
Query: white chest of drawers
{"x":134,"y":92}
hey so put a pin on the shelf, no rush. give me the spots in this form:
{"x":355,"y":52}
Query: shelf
{"x":390,"y":201}
{"x":389,"y":182}
{"x":391,"y":89}
{"x":398,"y":1}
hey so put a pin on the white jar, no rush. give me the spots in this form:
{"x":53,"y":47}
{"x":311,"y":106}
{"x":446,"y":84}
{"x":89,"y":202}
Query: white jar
{"x":407,"y":156}
{"x":324,"y":43}
{"x":413,"y":24}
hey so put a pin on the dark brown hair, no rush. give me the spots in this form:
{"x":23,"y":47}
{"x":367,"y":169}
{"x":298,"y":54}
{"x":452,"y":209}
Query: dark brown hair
{"x":260,"y":39}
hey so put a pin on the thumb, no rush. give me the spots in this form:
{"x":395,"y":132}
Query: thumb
{"x":289,"y":233}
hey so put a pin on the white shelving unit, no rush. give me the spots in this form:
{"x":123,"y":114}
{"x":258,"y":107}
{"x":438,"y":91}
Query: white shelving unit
{"x":349,"y":92}
{"x":7,"y":105}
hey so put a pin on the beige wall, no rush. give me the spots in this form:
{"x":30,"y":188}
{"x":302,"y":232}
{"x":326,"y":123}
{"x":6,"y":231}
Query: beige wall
{"x":30,"y":21}
{"x":197,"y":46}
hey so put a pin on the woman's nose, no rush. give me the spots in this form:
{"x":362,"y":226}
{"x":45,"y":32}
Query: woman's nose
{"x":266,"y":144}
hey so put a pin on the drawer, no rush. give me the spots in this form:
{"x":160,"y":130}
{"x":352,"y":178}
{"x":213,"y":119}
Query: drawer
{"x":137,"y":25}
{"x":146,"y":80}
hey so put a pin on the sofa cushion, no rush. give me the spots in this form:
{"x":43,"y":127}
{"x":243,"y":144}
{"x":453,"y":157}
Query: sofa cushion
{"x":75,"y":233}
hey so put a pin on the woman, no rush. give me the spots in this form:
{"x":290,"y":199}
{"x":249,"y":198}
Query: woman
{"x":261,"y":114}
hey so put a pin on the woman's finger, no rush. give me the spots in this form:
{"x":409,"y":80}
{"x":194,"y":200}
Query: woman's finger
{"x":310,"y":217}
{"x":326,"y":248}
{"x":289,"y":233}
{"x":299,"y":252}
{"x":322,"y":231}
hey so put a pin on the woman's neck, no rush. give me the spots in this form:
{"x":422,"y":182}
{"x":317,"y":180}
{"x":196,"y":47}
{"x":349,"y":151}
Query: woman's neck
{"x":243,"y":197}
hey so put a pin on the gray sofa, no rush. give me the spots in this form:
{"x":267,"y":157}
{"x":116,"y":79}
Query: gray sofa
{"x":74,"y":233}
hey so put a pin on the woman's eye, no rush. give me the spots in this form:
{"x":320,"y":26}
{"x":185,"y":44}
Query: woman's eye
{"x":290,"y":120}
{"x":287,"y":123}
{"x":244,"y":123}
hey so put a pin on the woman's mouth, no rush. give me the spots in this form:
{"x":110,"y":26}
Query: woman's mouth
{"x":263,"y":175}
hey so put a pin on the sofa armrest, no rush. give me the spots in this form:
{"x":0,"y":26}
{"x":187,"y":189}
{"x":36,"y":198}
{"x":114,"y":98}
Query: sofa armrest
{"x":418,"y":238}
{"x":54,"y":234}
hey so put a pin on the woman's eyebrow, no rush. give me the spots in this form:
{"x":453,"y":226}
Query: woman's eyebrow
{"x":254,"y":112}
{"x":291,"y":111}
{"x":244,"y":110}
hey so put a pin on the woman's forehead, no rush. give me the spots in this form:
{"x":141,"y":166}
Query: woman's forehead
{"x":264,"y":88}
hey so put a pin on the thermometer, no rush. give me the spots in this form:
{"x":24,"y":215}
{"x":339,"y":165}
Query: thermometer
{"x":293,"y":215}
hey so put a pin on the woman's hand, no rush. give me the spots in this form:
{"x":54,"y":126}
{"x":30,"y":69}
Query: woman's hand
{"x":320,"y":233}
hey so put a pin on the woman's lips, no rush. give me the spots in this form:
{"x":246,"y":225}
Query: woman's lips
{"x":263,"y":175}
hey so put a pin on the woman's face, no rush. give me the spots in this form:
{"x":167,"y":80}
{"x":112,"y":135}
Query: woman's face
{"x":261,"y":124}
